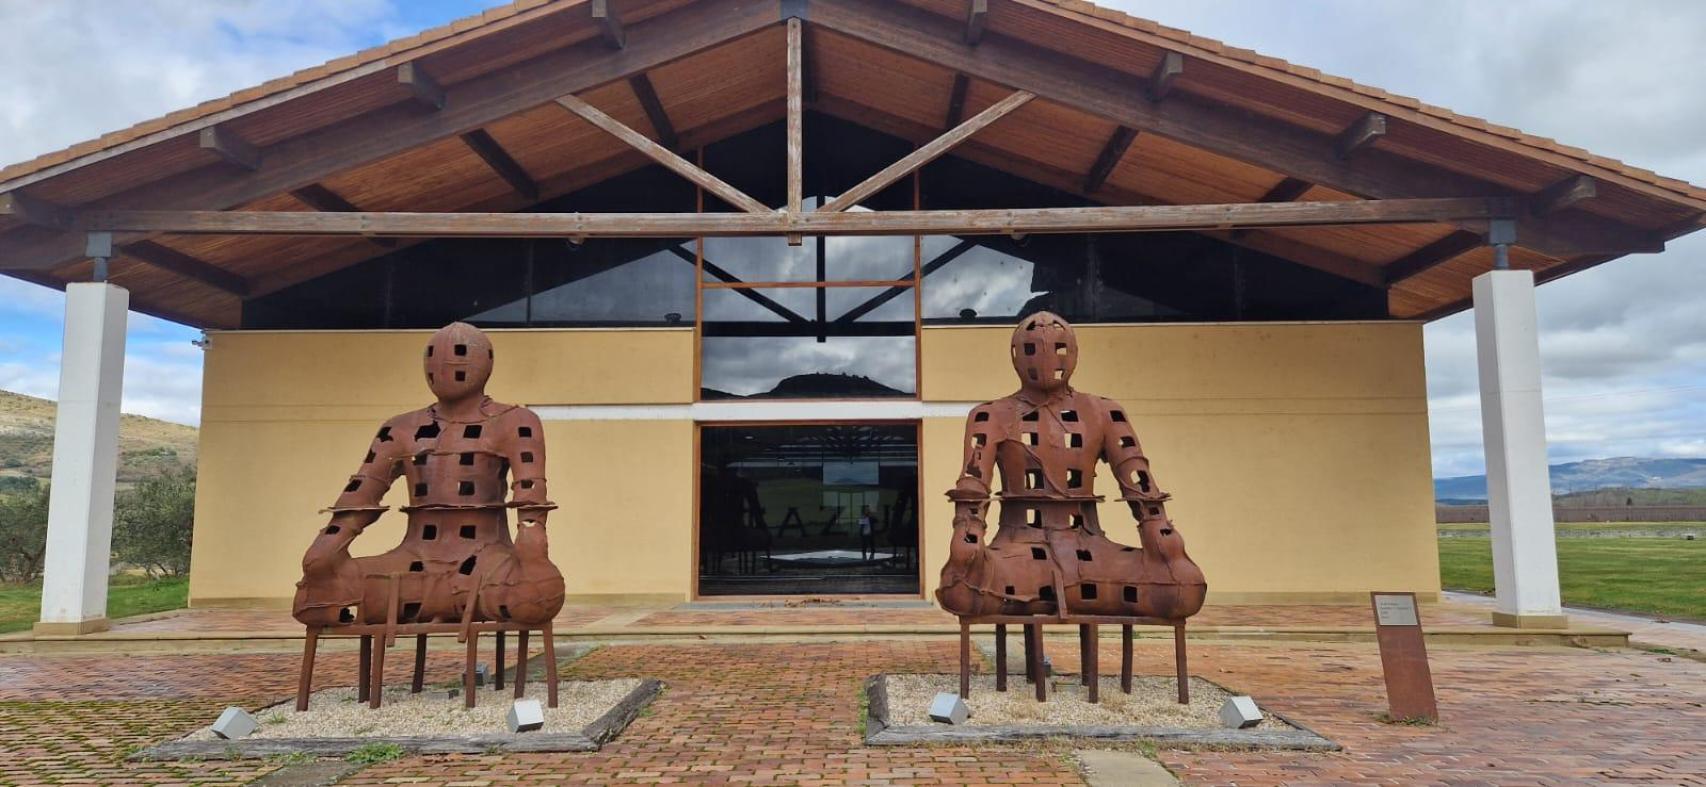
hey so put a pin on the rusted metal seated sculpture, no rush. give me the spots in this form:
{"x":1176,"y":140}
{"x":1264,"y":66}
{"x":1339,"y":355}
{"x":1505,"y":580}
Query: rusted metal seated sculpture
{"x":457,"y":568}
{"x":1050,"y":561}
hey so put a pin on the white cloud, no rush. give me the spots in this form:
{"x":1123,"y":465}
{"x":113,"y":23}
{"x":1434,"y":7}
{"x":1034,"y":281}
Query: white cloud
{"x":1609,"y":77}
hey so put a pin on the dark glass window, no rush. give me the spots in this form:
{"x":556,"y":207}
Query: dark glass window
{"x":501,"y":282}
{"x":808,"y":509}
{"x":1109,"y":277}
{"x":798,"y":343}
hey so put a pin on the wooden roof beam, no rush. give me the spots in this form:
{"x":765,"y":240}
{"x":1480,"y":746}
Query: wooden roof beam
{"x":384,"y":132}
{"x":1563,"y":194}
{"x":1432,"y":255}
{"x":609,"y":24}
{"x":1287,"y":190}
{"x":22,"y":207}
{"x":481,"y":142}
{"x":796,"y":122}
{"x":661,"y":155}
{"x":1165,"y":74}
{"x":957,"y":100}
{"x":176,"y":262}
{"x":977,"y":19}
{"x":648,"y":96}
{"x":927,"y":153}
{"x":1227,"y":131}
{"x":1110,"y":157}
{"x":1360,"y":135}
{"x":234,"y":149}
{"x":325,"y":200}
{"x":422,"y":87}
{"x":1119,"y":218}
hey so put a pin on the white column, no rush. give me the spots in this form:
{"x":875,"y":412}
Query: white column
{"x":85,"y":461}
{"x":1519,"y":487}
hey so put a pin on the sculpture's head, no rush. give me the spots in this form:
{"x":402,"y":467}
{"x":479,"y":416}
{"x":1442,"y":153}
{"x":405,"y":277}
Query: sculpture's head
{"x":1045,"y":351}
{"x":458,"y":361}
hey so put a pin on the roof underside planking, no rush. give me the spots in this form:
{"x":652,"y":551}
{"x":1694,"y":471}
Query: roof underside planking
{"x":461,"y":119}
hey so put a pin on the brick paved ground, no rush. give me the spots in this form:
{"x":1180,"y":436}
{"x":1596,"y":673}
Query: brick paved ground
{"x":789,"y":713}
{"x":1314,"y":616}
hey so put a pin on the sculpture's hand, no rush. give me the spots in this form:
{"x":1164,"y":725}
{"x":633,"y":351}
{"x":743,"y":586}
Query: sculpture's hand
{"x":530,"y":541}
{"x":330,"y":550}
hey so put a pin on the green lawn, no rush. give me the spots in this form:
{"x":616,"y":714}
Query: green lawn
{"x":1662,"y":576}
{"x":20,"y":605}
{"x":1700,"y":527}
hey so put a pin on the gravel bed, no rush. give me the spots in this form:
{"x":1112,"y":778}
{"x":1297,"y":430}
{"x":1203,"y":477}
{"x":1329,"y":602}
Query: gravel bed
{"x":1153,"y":702}
{"x":335,"y":713}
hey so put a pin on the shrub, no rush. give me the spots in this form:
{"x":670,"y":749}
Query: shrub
{"x":152,"y":523}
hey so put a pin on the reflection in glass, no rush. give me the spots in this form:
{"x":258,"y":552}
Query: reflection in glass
{"x":808,"y":509}
{"x":817,"y":259}
{"x":806,"y":343}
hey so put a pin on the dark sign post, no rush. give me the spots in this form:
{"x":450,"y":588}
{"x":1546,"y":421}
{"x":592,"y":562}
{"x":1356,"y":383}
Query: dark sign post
{"x":1403,"y":657}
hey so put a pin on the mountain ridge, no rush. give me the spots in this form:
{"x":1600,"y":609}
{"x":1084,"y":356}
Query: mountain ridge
{"x":1623,"y":472}
{"x":147,"y":446}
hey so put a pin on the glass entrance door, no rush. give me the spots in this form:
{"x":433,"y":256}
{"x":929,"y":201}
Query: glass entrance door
{"x":808,"y":509}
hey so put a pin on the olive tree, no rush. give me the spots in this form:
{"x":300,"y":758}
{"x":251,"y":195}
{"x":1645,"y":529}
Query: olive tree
{"x":152,"y":523}
{"x":23,"y":533}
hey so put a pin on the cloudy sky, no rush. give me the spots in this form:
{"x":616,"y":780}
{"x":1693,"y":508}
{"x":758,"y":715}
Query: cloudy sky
{"x":1623,"y":345}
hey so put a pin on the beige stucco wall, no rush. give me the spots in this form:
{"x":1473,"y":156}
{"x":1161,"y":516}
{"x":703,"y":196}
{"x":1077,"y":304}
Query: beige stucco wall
{"x":287,"y":416}
{"x":1297,"y":453}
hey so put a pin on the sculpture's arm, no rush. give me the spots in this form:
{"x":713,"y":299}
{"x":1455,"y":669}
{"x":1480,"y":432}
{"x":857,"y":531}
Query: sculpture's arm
{"x":359,"y":504}
{"x":524,"y":447}
{"x":985,"y":428}
{"x":1122,"y":452}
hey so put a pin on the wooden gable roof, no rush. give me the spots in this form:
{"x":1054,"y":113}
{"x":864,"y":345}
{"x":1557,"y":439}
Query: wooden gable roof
{"x":461,"y":118}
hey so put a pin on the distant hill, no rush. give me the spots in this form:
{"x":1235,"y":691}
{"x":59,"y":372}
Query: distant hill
{"x":1625,"y":473}
{"x":147,"y":446}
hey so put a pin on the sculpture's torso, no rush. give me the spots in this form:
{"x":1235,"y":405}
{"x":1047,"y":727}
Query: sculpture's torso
{"x":459,"y":474}
{"x":1050,"y":547}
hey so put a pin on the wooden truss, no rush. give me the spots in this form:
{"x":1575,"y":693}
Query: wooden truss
{"x":1393,"y":190}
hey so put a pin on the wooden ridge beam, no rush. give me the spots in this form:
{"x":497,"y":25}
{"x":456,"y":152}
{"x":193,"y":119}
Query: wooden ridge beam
{"x":325,"y":200}
{"x":1432,"y":255}
{"x":1125,"y":218}
{"x":957,"y":100}
{"x":29,"y":210}
{"x":1563,"y":194}
{"x":662,"y":155}
{"x":316,"y":155}
{"x":481,"y":142}
{"x":234,"y":149}
{"x":927,"y":153}
{"x":1360,"y":135}
{"x":422,"y":87}
{"x":1165,"y":74}
{"x":181,"y":264}
{"x":609,"y":24}
{"x":1264,"y":142}
{"x":1118,"y":143}
{"x":977,"y":19}
{"x":648,"y":96}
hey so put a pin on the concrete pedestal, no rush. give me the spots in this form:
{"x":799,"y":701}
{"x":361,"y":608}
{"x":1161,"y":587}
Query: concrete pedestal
{"x":1513,"y":427}
{"x":85,"y":461}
